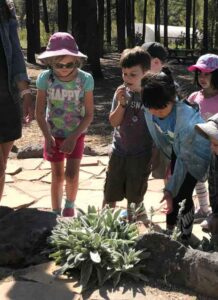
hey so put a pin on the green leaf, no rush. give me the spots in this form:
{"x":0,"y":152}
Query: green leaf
{"x":86,"y":272}
{"x":116,"y":214}
{"x":116,"y":278}
{"x":92,"y":209}
{"x":137,"y":275}
{"x":95,"y":257}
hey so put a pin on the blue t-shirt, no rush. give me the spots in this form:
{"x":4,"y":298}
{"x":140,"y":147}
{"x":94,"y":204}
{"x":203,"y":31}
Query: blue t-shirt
{"x":65,"y":100}
{"x":167,"y":125}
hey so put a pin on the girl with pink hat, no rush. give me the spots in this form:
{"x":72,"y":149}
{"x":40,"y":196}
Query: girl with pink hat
{"x":206,"y":77}
{"x":64,"y":111}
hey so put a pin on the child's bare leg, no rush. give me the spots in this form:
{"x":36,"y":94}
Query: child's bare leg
{"x":72,"y":183}
{"x":72,"y":178}
{"x":57,"y":185}
{"x":111,"y":204}
{"x":5,"y":148}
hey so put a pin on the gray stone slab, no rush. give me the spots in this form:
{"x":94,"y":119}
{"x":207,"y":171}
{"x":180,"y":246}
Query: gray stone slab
{"x":30,"y":163}
{"x":8,"y":179}
{"x":45,"y":165}
{"x":23,"y":290}
{"x":89,"y":161}
{"x":47,"y":178}
{"x":83,"y":176}
{"x":103,"y":160}
{"x":95,"y":170}
{"x":37,"y":190}
{"x":30,"y":175}
{"x":13,"y":167}
{"x":13,"y":197}
{"x":92,"y":184}
{"x":43,"y":273}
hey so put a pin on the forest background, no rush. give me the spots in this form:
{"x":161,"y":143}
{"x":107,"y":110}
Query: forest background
{"x":102,"y":26}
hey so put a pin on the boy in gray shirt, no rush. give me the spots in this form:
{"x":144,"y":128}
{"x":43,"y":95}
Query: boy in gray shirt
{"x":130,"y":162}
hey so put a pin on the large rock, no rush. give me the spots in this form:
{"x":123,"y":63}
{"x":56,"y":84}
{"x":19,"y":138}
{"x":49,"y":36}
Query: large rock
{"x":33,"y":151}
{"x":23,"y":235}
{"x":179,"y":265}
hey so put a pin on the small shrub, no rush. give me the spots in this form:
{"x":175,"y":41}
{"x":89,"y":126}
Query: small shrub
{"x":98,"y":244}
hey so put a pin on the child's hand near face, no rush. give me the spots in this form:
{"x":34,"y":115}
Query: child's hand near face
{"x":121,"y":95}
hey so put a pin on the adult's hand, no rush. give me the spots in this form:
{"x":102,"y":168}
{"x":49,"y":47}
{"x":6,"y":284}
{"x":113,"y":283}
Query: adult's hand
{"x":167,"y":201}
{"x":28,"y":110}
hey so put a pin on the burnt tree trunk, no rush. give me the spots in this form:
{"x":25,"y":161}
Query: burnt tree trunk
{"x":85,"y":31}
{"x":36,"y":18}
{"x":101,"y":27}
{"x":205,"y":27}
{"x":166,"y":23}
{"x":120,"y":16}
{"x":130,"y":28}
{"x":194,"y":24}
{"x":157,"y":21}
{"x":216,"y":24}
{"x":188,"y":23}
{"x":30,"y":30}
{"x":144,"y":21}
{"x":45,"y":16}
{"x":63,"y":15}
{"x":108,"y":22}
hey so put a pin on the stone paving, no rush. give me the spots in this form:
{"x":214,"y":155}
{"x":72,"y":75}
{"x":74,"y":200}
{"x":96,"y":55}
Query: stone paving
{"x":28,"y":183}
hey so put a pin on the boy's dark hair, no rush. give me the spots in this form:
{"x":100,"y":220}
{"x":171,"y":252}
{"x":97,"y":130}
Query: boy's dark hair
{"x":135,"y":56}
{"x":158,"y":90}
{"x":156,"y":50}
{"x":214,"y":79}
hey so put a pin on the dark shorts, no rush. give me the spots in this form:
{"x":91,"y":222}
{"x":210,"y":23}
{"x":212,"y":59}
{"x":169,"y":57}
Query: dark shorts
{"x":10,"y":120}
{"x":127,"y":178}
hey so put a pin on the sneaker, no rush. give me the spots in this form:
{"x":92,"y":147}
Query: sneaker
{"x":200,"y":215}
{"x":68,"y":212}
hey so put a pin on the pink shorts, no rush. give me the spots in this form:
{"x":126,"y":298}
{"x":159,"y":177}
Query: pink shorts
{"x":58,"y":156}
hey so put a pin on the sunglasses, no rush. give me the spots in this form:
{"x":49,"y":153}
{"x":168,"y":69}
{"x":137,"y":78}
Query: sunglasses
{"x":70,"y":65}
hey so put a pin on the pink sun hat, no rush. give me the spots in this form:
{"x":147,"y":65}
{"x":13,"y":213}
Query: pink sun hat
{"x":206,"y":63}
{"x":61,"y":43}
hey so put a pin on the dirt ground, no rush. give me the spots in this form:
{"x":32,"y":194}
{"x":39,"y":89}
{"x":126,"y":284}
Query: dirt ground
{"x":99,"y":137}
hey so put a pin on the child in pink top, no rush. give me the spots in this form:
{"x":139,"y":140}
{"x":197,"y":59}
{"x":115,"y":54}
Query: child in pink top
{"x":206,"y":70}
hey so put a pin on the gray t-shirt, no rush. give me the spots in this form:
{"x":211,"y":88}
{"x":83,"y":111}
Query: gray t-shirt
{"x":132,"y":137}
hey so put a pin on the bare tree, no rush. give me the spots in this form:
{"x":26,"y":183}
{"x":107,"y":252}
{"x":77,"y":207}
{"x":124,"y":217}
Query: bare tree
{"x":85,"y":30}
{"x":63,"y":15}
{"x":101,"y":26}
{"x":144,"y":21}
{"x":45,"y":15}
{"x":166,"y":23}
{"x":194,"y":24}
{"x":130,"y":28}
{"x":216,"y":24}
{"x":188,"y":23}
{"x":30,"y":30}
{"x":120,"y":14}
{"x":205,"y":27}
{"x":108,"y":22}
{"x":157,"y":21}
{"x":36,"y":33}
